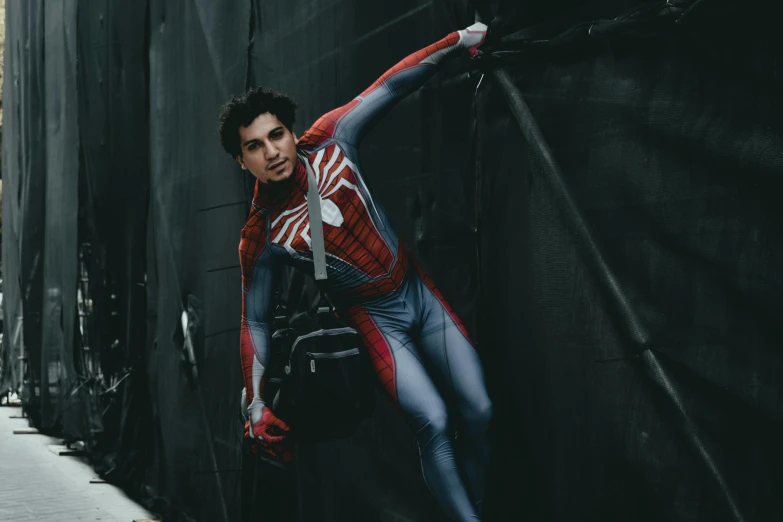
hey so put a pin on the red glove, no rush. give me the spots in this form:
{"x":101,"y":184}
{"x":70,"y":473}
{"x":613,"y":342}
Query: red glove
{"x":281,"y":451}
{"x":266,"y":427}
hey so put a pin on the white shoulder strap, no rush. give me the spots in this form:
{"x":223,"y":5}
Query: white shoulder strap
{"x":316,"y":223}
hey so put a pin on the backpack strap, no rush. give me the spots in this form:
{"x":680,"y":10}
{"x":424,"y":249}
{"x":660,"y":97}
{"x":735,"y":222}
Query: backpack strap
{"x":316,"y":223}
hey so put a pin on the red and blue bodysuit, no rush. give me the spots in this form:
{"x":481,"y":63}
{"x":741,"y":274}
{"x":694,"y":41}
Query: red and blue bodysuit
{"x":420,"y":350}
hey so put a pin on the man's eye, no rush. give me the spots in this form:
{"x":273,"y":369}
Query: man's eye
{"x":277,"y":135}
{"x":252,"y":146}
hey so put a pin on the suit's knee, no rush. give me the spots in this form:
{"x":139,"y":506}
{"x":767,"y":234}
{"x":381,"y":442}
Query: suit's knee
{"x":478,"y":415}
{"x":434,"y":424}
{"x":438,"y":421}
{"x":484,"y":411}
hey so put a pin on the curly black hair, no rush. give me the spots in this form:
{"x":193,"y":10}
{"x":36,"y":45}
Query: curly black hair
{"x":243,"y":109}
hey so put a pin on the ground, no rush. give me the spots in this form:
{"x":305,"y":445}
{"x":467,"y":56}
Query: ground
{"x":37,"y":485}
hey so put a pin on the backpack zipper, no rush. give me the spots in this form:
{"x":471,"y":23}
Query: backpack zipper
{"x":335,"y":355}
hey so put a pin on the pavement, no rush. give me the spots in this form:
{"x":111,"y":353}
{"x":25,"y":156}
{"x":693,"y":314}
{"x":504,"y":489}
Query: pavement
{"x":37,"y":484}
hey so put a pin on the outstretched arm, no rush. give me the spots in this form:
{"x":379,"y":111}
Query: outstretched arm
{"x":255,"y":345}
{"x":351,"y":122}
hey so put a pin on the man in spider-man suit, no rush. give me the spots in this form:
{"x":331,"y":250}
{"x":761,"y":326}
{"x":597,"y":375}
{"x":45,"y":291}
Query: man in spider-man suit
{"x":419,"y":348}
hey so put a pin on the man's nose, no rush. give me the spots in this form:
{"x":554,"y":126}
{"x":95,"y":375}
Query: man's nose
{"x":271,"y":151}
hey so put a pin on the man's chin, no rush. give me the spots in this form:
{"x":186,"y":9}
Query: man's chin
{"x":281,"y":179}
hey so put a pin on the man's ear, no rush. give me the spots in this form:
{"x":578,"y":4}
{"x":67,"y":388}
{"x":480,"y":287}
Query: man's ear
{"x":296,"y":138}
{"x":241,"y":163}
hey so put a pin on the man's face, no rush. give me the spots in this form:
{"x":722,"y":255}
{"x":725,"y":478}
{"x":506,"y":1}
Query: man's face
{"x":268,"y":149}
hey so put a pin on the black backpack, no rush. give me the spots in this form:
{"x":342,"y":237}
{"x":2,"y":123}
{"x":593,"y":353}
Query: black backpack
{"x":329,"y":386}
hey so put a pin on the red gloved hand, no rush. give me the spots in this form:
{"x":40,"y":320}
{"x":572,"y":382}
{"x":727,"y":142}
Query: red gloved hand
{"x":264,"y":426}
{"x":281,"y":451}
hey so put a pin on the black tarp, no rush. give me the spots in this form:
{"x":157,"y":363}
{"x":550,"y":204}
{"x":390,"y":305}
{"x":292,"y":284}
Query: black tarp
{"x":198,"y":56}
{"x":113,"y":199}
{"x":11,"y":373}
{"x":24,"y":171}
{"x":58,"y":321}
{"x":614,"y":255}
{"x":667,"y":144}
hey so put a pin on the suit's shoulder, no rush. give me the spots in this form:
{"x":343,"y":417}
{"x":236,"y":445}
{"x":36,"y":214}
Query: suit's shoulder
{"x":325,"y":152}
{"x":326,"y":127}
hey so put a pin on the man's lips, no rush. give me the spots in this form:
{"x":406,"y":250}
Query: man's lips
{"x":277,"y":165}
